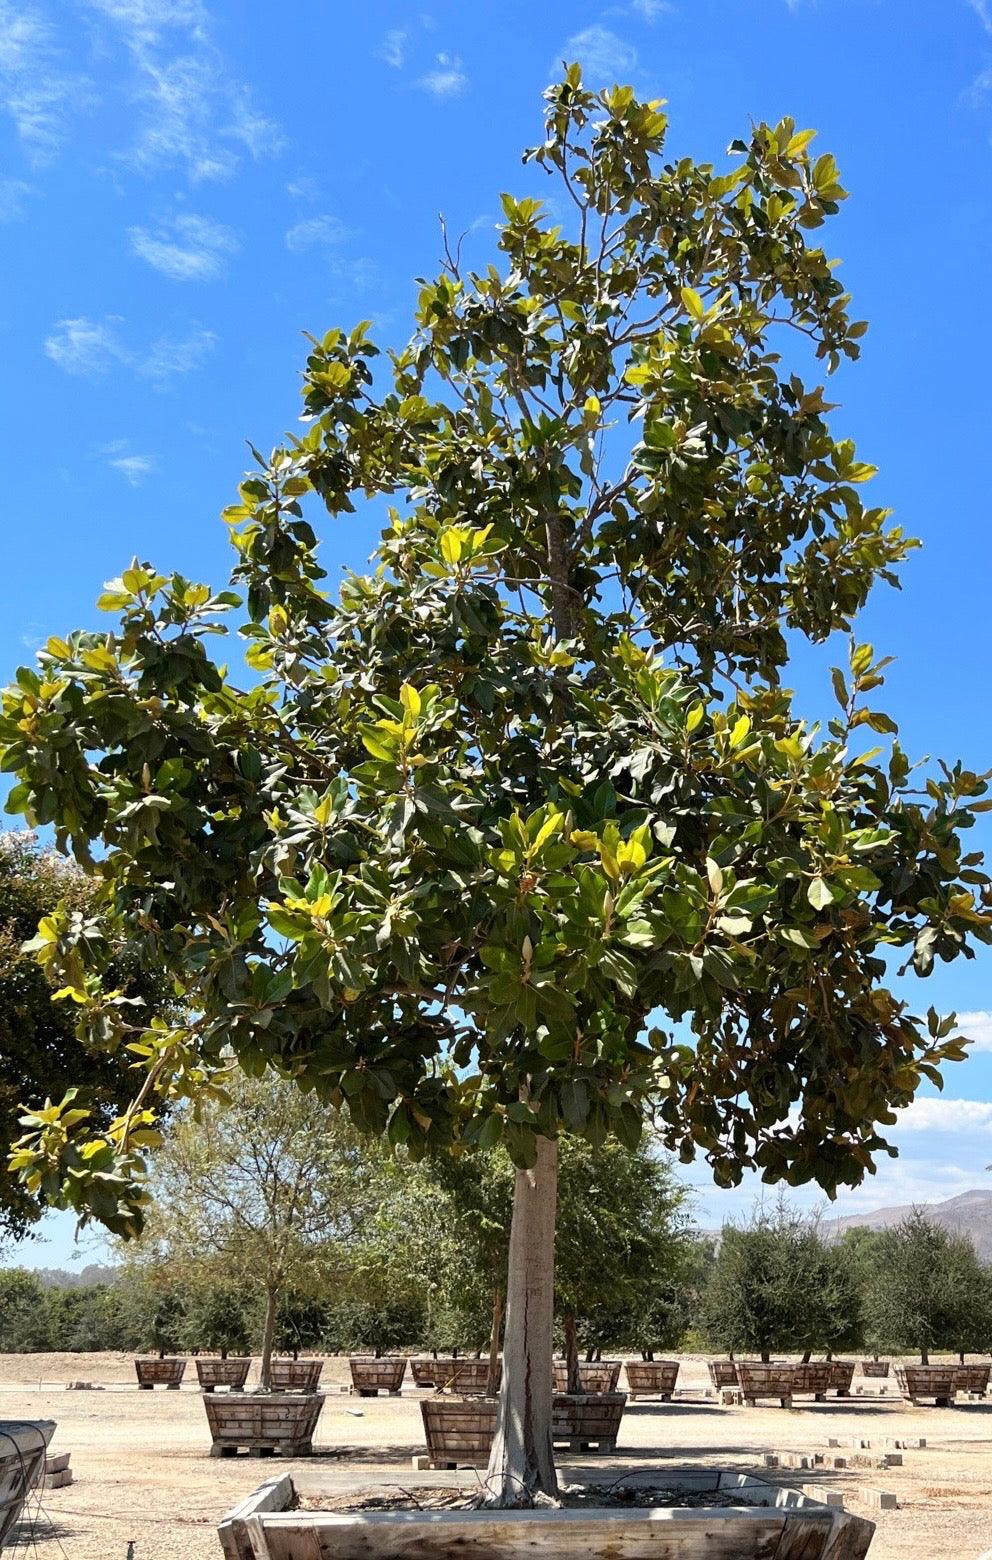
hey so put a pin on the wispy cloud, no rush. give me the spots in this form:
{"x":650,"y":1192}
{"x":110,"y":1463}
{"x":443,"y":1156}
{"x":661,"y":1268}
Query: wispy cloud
{"x":446,"y":79}
{"x":315,"y":232}
{"x":651,"y":9}
{"x":192,"y":112}
{"x":13,"y":194}
{"x":133,"y":468}
{"x":977,"y":1026}
{"x":303,"y":188}
{"x":36,"y":89}
{"x":189,"y":248}
{"x":393,"y":49}
{"x":90,"y":348}
{"x":983,"y":10}
{"x":603,"y":55}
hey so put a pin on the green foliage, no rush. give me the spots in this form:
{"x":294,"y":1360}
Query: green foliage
{"x":776,"y":1285}
{"x":217,"y":1315}
{"x":623,"y":1254}
{"x":923,"y":1288}
{"x":41,"y":1052}
{"x":536,"y":776}
{"x":23,"y":1313}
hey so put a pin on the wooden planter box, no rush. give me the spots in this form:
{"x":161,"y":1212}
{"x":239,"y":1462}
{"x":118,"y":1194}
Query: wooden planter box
{"x":23,"y":1446}
{"x":459,"y":1431}
{"x":422,"y":1371}
{"x":928,"y":1381}
{"x":231,"y":1373}
{"x":469,"y":1377}
{"x":765,"y":1521}
{"x":652,"y":1378}
{"x":295,"y":1375}
{"x":972,"y":1378}
{"x":841,"y":1376}
{"x":723,"y":1373}
{"x":875,"y":1368}
{"x":767,"y":1381}
{"x":159,"y":1373}
{"x":263,"y":1422}
{"x":594,"y":1375}
{"x":371,"y":1376}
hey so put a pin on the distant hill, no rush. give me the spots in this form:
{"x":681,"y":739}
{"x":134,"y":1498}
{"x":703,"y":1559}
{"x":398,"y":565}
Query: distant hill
{"x":970,"y":1213}
{"x":77,"y":1278}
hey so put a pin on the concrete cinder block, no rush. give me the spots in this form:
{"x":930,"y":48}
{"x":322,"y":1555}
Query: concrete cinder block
{"x":420,"y":1461}
{"x":878,"y":1500}
{"x":57,"y":1481}
{"x":54,"y":1463}
{"x":824,"y":1496}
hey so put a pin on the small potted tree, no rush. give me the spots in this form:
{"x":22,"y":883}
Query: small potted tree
{"x":375,"y":1327}
{"x":166,"y":1329}
{"x":922,"y":1297}
{"x":265,"y":1186}
{"x":216,"y":1319}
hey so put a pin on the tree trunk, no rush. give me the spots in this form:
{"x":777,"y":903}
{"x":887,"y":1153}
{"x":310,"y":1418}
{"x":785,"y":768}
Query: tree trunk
{"x":924,"y":1357}
{"x":522,"y":1464}
{"x":268,"y":1333}
{"x":497,"y":1327}
{"x":806,"y":1356}
{"x":571,"y":1354}
{"x":765,"y":1356}
{"x":961,"y":1356}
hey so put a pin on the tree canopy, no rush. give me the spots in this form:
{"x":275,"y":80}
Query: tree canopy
{"x":923,"y":1288}
{"x":520,"y":831}
{"x":777,"y":1286}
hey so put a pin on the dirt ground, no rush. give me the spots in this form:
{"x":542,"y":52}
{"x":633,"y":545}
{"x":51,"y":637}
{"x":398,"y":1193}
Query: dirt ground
{"x":143,"y":1474}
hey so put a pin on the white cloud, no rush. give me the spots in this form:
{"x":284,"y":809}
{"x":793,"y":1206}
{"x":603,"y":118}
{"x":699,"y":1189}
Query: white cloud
{"x":171,"y":356}
{"x":83,"y":346}
{"x":13,"y":194}
{"x":303,"y":188}
{"x":393,"y":49}
{"x":929,"y":1114}
{"x":133,"y":468}
{"x":319,"y":231}
{"x":35,"y":89}
{"x":602,"y":54}
{"x":447,"y":79}
{"x":188,"y":249}
{"x":651,"y":9}
{"x":976,"y":1027}
{"x":191,"y":109}
{"x":91,"y":347}
{"x":983,"y":10}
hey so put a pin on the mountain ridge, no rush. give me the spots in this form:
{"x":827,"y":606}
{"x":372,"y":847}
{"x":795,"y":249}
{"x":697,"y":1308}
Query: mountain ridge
{"x":968,"y":1213}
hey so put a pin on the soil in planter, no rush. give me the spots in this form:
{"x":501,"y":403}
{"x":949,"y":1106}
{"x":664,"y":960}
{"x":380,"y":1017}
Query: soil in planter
{"x":590,"y":1497}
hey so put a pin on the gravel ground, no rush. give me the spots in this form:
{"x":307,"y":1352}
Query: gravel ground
{"x":142,"y":1472}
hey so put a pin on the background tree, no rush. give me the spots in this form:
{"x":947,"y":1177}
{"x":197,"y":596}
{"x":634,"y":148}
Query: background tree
{"x":217,"y":1314}
{"x":775,"y":1285}
{"x":536,"y":777}
{"x":926,"y":1290}
{"x":266,"y":1185}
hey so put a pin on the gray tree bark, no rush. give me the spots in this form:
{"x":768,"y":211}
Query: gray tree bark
{"x":522,"y":1464}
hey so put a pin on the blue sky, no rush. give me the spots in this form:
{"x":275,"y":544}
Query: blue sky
{"x":185,"y":187}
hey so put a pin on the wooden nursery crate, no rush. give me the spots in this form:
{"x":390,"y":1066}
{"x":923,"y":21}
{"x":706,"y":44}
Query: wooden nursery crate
{"x":972,"y":1378}
{"x":422,"y":1371}
{"x":842,"y":1376}
{"x":295,"y":1375}
{"x":264,"y":1422}
{"x":159,"y":1373}
{"x":459,"y":1431}
{"x":763,"y":1521}
{"x":928,"y":1381}
{"x":232,"y":1373}
{"x":758,"y":1380}
{"x":652,"y":1378}
{"x":815,"y":1376}
{"x":587,"y":1421}
{"x":369,"y":1376}
{"x":470,"y":1377}
{"x":23,"y":1448}
{"x":594,"y":1375}
{"x":723,"y":1373}
{"x":875,"y":1368}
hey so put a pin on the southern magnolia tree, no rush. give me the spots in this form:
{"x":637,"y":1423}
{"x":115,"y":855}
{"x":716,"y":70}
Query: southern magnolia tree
{"x":483,"y":810}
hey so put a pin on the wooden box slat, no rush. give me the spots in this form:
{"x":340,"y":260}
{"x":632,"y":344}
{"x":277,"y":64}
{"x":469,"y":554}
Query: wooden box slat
{"x":295,"y":1375}
{"x":594,"y":1375}
{"x":652,"y":1378}
{"x":160,"y":1373}
{"x":369,"y":1376}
